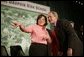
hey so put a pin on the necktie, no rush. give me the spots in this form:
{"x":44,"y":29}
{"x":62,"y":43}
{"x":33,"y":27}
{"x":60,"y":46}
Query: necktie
{"x":55,"y":42}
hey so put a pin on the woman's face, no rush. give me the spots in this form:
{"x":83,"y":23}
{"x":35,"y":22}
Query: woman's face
{"x":41,"y":21}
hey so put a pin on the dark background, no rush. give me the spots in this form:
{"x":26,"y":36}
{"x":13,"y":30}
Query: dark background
{"x":71,"y":10}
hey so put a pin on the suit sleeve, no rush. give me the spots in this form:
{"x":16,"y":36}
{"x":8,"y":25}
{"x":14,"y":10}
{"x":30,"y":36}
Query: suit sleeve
{"x":73,"y":40}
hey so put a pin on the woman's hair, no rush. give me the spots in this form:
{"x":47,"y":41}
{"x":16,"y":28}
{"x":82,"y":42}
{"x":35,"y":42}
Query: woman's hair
{"x":40,"y":16}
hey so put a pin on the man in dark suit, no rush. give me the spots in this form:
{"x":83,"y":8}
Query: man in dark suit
{"x":65,"y":41}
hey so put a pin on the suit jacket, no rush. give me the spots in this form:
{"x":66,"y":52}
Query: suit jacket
{"x":67,"y":38}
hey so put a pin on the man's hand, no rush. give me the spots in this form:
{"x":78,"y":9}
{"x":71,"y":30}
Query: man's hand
{"x":60,"y":53}
{"x":69,"y":52}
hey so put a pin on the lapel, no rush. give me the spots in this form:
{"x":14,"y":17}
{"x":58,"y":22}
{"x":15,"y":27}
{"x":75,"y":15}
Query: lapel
{"x":59,"y":31}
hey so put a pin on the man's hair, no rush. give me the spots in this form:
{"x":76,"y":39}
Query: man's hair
{"x":54,"y":13}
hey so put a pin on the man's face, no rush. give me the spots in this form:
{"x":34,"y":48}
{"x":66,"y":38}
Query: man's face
{"x":51,"y":18}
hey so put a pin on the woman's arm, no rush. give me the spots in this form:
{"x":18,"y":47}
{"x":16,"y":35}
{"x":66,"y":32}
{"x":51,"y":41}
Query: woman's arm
{"x":48,"y":38}
{"x":22,"y":27}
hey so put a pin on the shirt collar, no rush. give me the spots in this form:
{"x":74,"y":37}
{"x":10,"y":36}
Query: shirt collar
{"x":44,"y":28}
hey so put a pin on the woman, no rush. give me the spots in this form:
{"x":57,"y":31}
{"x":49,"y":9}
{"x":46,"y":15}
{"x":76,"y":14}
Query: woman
{"x":39,"y":36}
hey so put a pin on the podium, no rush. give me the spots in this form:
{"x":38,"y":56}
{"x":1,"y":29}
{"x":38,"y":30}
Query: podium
{"x":16,"y":51}
{"x":4,"y":51}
